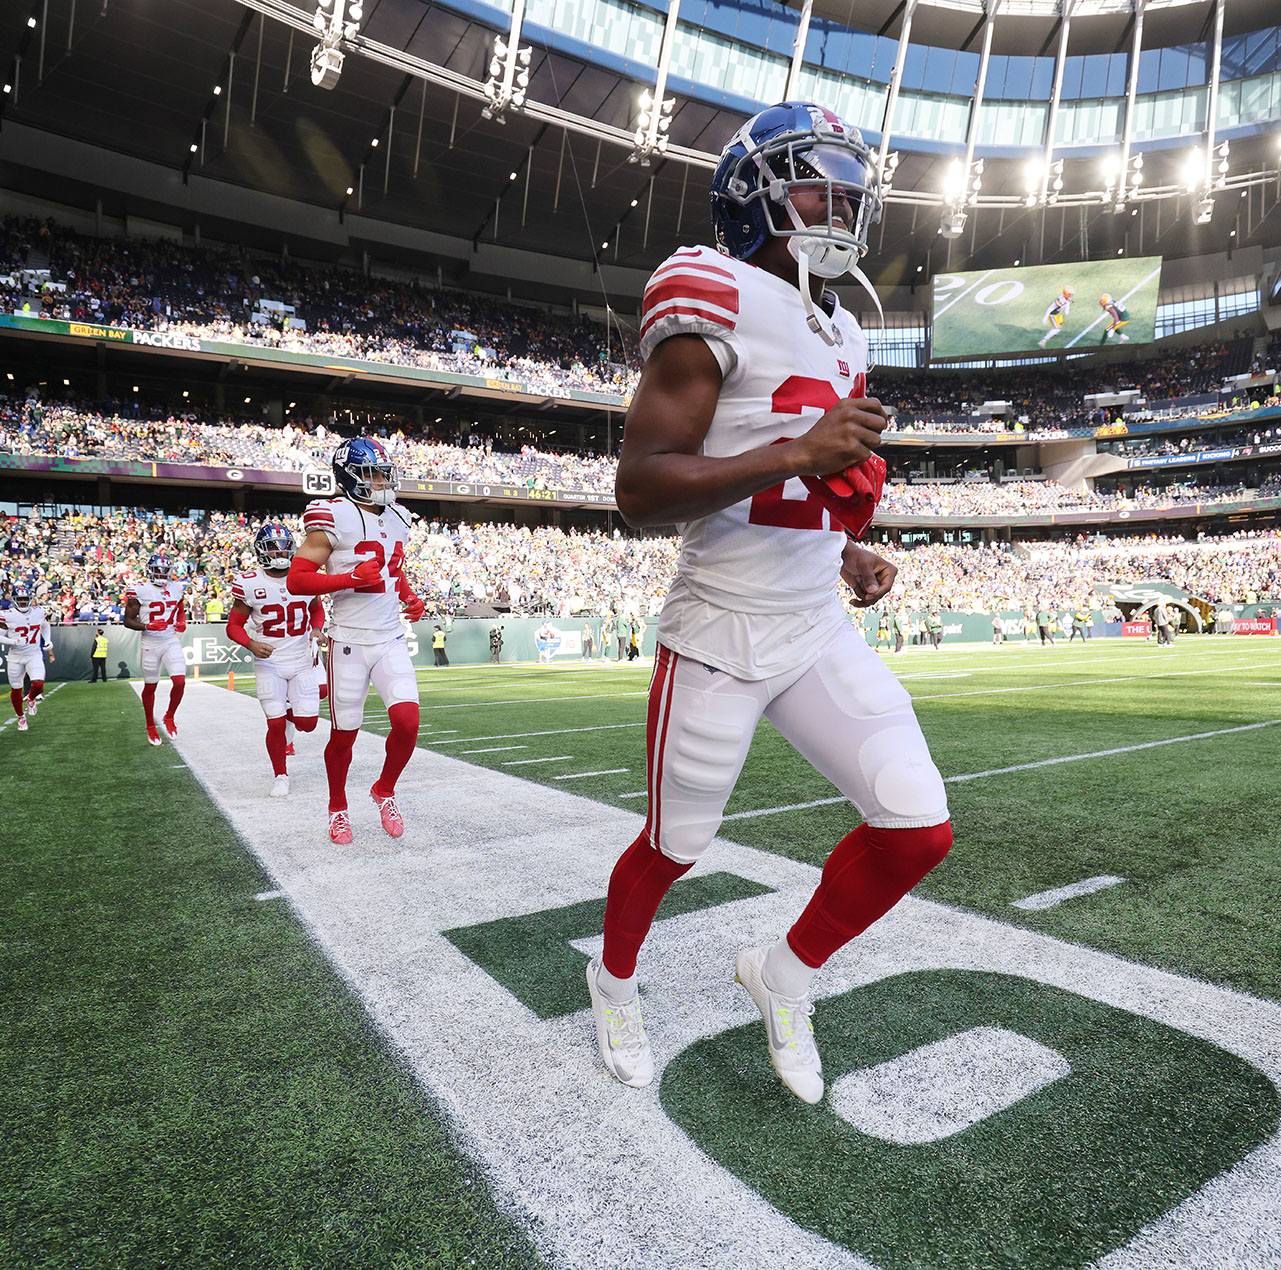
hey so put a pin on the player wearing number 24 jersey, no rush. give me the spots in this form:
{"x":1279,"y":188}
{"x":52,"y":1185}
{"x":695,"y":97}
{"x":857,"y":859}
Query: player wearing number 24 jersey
{"x":359,"y":541}
{"x":279,"y":629}
{"x":750,"y":429}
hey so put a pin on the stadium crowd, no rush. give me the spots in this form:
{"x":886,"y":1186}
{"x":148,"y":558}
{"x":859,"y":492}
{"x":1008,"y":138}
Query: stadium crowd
{"x":81,"y":564}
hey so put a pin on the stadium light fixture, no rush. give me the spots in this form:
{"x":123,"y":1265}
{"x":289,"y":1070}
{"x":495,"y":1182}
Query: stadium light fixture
{"x":508,"y":74}
{"x":652,"y":123}
{"x":334,"y":21}
{"x":1192,"y":169}
{"x":217,"y":90}
{"x":31,"y":22}
{"x":351,"y":189}
{"x":1204,"y":211}
{"x":8,"y":88}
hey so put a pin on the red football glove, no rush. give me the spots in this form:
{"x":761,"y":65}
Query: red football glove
{"x":157,"y":626}
{"x":181,"y":624}
{"x":852,"y":495}
{"x":413,"y":608}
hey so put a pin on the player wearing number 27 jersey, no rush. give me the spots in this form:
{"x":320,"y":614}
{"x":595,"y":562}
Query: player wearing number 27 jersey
{"x":359,"y":539}
{"x":751,"y":431}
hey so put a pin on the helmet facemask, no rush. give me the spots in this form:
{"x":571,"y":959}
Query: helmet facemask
{"x":21,"y":600}
{"x":275,"y":551}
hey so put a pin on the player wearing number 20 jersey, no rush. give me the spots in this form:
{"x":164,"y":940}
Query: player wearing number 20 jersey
{"x":359,"y":540}
{"x":750,"y":429}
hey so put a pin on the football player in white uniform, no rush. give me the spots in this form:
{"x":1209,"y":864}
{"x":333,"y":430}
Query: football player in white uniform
{"x":359,"y":540}
{"x":156,"y":608}
{"x":1054,"y":316}
{"x":285,"y":630}
{"x":25,"y":629}
{"x":751,"y":431}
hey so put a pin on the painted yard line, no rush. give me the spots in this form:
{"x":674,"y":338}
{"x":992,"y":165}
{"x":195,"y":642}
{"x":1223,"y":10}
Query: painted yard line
{"x":963,"y":294}
{"x":523,"y":701}
{"x":269,"y":895}
{"x":512,"y":736}
{"x":523,"y":762}
{"x":1120,"y":749}
{"x":1019,"y":767}
{"x":1077,"y":683}
{"x":1124,"y":298}
{"x":1051,"y":899}
{"x":577,"y":776}
{"x":496,"y":749}
{"x":640,"y":793}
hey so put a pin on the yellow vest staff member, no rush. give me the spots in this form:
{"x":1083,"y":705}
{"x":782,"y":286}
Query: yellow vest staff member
{"x":438,"y":647}
{"x":98,"y":657}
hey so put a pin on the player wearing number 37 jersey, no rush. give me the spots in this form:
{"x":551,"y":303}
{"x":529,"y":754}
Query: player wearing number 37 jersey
{"x":359,"y":541}
{"x":751,"y":431}
{"x":279,"y":629}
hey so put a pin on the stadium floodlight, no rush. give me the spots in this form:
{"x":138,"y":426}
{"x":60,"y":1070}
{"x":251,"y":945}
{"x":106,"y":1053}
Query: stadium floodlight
{"x":1222,"y":166}
{"x":1204,"y":211}
{"x":508,"y":79}
{"x":652,"y":123}
{"x":335,"y":21}
{"x":953,"y":224}
{"x":887,"y":176}
{"x":954,"y":180}
{"x":1193,"y":169}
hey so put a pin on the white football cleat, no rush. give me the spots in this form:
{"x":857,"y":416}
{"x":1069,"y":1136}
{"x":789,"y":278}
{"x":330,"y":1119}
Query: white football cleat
{"x":624,"y":1047}
{"x":787,"y":1022}
{"x":31,"y":707}
{"x":280,"y":787}
{"x":22,"y":723}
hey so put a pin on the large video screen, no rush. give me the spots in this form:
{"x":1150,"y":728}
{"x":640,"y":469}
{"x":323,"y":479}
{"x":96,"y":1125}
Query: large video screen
{"x":1046,"y":307}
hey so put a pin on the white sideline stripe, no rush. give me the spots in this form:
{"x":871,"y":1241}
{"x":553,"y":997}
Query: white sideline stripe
{"x":521,"y":701}
{"x":496,"y":749}
{"x":177,"y":765}
{"x":963,"y":294}
{"x":522,"y":762}
{"x":379,"y":919}
{"x":1050,"y":899}
{"x":1124,"y":298}
{"x":577,"y":776}
{"x":269,"y":895}
{"x":640,"y":793}
{"x":1020,"y":767}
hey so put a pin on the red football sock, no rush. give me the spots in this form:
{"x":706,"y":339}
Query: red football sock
{"x":15,"y":695}
{"x":868,"y":873}
{"x":401,"y":741}
{"x":337,"y":761}
{"x":642,"y":876}
{"x":177,"y":686}
{"x":276,"y":745}
{"x":149,"y":704}
{"x":37,"y":687}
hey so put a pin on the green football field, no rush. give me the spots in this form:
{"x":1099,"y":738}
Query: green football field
{"x":1000,"y":311}
{"x":228,"y":1042}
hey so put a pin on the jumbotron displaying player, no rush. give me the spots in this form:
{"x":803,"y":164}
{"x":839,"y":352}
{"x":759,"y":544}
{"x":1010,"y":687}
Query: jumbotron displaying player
{"x":1118,"y":316}
{"x":285,"y":627}
{"x":25,"y":629}
{"x":1059,"y":308}
{"x":156,"y":608}
{"x":750,"y":430}
{"x":359,"y":540}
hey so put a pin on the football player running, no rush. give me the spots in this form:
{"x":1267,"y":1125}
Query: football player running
{"x":156,"y":608}
{"x":1053,"y":317}
{"x":753,"y":388}
{"x":359,"y":542}
{"x":25,"y":629}
{"x":285,"y":628}
{"x":1118,"y":316}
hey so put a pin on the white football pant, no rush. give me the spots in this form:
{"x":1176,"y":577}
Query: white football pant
{"x":283,"y":688}
{"x":167,"y":656}
{"x":354,"y":667}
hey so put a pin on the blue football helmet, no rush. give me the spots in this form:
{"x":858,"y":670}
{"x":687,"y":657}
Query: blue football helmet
{"x":274,"y":546}
{"x":159,"y":568}
{"x":21,"y":598}
{"x":360,"y":462}
{"x":789,"y":146}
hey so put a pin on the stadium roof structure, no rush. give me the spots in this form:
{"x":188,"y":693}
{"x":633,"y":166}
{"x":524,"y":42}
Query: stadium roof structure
{"x":203,"y":112}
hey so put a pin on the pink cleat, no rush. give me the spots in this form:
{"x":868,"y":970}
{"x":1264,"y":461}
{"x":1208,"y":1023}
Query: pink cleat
{"x":152,"y":735}
{"x":339,"y":827}
{"x":392,"y":820}
{"x":170,"y":726}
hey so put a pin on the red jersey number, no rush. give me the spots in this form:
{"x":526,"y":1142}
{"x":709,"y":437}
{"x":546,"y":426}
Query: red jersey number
{"x":280,"y":620}
{"x":163,"y":611}
{"x":390,"y":563}
{"x":794,"y":395}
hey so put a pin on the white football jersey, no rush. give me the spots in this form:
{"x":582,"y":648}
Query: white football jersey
{"x":157,"y":604}
{"x":277,"y":616}
{"x":369,"y":614}
{"x":25,"y":630}
{"x":755,"y":591}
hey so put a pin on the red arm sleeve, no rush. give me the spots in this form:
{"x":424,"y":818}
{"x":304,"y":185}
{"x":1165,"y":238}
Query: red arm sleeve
{"x":317,"y":614}
{"x":305,"y":578}
{"x":236,"y":629}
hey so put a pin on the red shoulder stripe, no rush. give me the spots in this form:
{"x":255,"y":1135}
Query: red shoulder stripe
{"x":684,"y":266}
{"x":687,"y":311}
{"x":686,"y":290}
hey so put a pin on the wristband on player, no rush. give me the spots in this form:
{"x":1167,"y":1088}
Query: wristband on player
{"x":236,"y":629}
{"x":305,"y":578}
